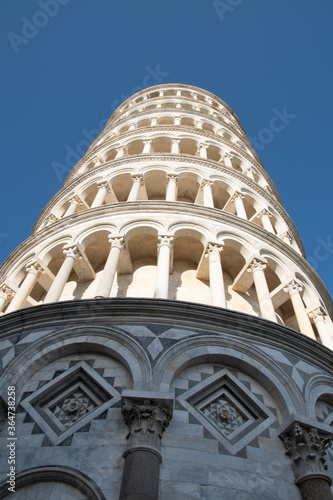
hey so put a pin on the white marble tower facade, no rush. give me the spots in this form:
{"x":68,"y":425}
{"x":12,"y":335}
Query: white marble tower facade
{"x":166,"y":288}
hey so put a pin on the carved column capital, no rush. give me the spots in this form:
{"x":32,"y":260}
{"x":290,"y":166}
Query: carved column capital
{"x":264,"y":212}
{"x":35,"y":268}
{"x":103,"y":184}
{"x":257,"y":264}
{"x":177,"y":120}
{"x":318,"y":314}
{"x":71,"y":251}
{"x":75,"y":199}
{"x":146,"y":420}
{"x":306,"y":447}
{"x":165,"y":239}
{"x":117,"y":241}
{"x":137,"y":178}
{"x":172,"y":177}
{"x":294,"y":286}
{"x":214,"y":248}
{"x":207,"y":182}
{"x":6,"y":292}
{"x":237,"y":194}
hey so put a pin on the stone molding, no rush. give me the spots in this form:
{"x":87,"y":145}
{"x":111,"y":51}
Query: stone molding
{"x":56,"y":474}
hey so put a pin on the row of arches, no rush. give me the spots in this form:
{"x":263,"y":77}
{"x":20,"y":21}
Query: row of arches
{"x":182,"y":145}
{"x":168,"y":119}
{"x":183,"y":186}
{"x":178,"y":264}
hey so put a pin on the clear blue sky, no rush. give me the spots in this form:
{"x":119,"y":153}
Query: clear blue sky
{"x":66,"y":63}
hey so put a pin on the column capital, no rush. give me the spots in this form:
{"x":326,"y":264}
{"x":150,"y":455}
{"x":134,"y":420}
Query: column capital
{"x":263,"y":212}
{"x":71,"y":251}
{"x":35,"y":268}
{"x":286,"y":236}
{"x":6,"y":292}
{"x":199,"y":124}
{"x":103,"y":184}
{"x":146,"y":420}
{"x":137,"y":178}
{"x":237,"y":194}
{"x":149,"y":142}
{"x":75,"y":199}
{"x":214,"y":248}
{"x":306,"y":447}
{"x":177,"y":121}
{"x":206,"y":182}
{"x":257,"y":264}
{"x":294,"y":286}
{"x":175,"y":141}
{"x":153,"y":122}
{"x":116,"y":241}
{"x":318,"y":314}
{"x":52,"y":218}
{"x":165,"y":239}
{"x":172,"y":177}
{"x":249,"y":170}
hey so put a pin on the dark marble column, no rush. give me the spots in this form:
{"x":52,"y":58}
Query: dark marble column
{"x":146,"y":417}
{"x":306,"y":446}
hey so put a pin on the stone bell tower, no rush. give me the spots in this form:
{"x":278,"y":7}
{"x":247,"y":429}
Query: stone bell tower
{"x":162,"y":329}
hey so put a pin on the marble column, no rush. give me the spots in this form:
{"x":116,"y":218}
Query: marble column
{"x":165,"y":245}
{"x":137,"y":183}
{"x":238,"y":198}
{"x":147,"y":418}
{"x":257,"y":267}
{"x":306,"y":447}
{"x":202,"y":151}
{"x":6,"y":294}
{"x":318,"y":317}
{"x":265,"y":215}
{"x":147,"y":148}
{"x":75,"y":201}
{"x":227,"y":159}
{"x":103,"y":188}
{"x":216,"y":282}
{"x":294,"y":289}
{"x":55,"y":291}
{"x":120,"y":152}
{"x":110,"y":268}
{"x":175,"y":149}
{"x":249,"y":172}
{"x":33,"y":271}
{"x":206,"y":187}
{"x":171,"y":191}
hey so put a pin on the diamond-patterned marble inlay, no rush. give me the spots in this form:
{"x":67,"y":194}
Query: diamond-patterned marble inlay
{"x":227,"y":409}
{"x":70,"y":401}
{"x":224,"y":414}
{"x":70,"y":409}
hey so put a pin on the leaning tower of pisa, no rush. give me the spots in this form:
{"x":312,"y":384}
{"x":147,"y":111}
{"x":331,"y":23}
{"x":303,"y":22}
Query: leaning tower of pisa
{"x":161,"y":329}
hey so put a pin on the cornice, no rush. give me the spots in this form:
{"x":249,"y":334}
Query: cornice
{"x":155,"y":207}
{"x":213,"y":321}
{"x":171,"y":158}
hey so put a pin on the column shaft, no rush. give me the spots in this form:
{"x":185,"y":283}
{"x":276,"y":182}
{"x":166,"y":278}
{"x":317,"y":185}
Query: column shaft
{"x":25,"y":288}
{"x":74,"y":203}
{"x":294,"y":288}
{"x":171,"y":192}
{"x":237,"y":198}
{"x":163,"y":267}
{"x":134,"y":193}
{"x":265,"y":302}
{"x":107,"y":278}
{"x":61,"y":279}
{"x":207,"y":193}
{"x":100,"y":196}
{"x":216,"y":282}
